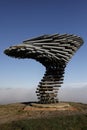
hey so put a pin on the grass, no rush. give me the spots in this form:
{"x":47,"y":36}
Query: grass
{"x":12,"y":117}
{"x":75,"y":122}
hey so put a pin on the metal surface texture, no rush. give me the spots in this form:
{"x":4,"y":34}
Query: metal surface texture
{"x":54,"y":52}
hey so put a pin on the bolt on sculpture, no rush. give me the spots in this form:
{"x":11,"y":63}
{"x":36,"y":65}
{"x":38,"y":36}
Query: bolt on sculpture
{"x":54,"y":52}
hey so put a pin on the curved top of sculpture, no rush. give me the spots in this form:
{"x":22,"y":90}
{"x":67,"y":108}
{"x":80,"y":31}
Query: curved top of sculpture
{"x":47,"y":49}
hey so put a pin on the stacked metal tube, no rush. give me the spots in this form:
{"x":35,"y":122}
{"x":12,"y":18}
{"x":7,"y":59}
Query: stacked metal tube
{"x":54,"y":52}
{"x":48,"y":87}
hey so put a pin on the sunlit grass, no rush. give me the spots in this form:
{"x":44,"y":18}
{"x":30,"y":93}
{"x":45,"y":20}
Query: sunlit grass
{"x":13,"y":117}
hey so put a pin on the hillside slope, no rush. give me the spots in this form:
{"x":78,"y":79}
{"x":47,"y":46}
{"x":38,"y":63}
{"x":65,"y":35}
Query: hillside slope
{"x":17,"y":117}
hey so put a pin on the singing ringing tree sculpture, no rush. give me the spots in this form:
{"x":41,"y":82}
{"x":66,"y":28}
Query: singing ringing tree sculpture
{"x":54,"y":52}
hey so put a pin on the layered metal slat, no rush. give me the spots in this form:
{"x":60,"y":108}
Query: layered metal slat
{"x":48,"y":87}
{"x":54,"y":52}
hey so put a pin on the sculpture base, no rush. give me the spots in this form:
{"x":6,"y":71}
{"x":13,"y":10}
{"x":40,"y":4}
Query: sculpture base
{"x":54,"y":105}
{"x":49,"y":107}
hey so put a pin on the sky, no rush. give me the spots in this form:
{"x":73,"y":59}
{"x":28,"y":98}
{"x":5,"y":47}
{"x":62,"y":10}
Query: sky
{"x":23,"y":19}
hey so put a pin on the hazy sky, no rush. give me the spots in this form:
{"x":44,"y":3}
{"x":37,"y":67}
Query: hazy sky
{"x":23,"y":19}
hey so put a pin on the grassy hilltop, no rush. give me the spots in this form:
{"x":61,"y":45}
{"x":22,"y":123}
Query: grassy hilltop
{"x":15,"y":117}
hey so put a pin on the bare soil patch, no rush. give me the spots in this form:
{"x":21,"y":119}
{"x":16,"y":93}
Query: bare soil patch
{"x":20,"y":111}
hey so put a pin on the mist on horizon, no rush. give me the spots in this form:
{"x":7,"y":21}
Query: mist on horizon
{"x":15,"y":95}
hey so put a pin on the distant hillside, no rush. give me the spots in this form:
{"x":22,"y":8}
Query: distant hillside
{"x":15,"y":117}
